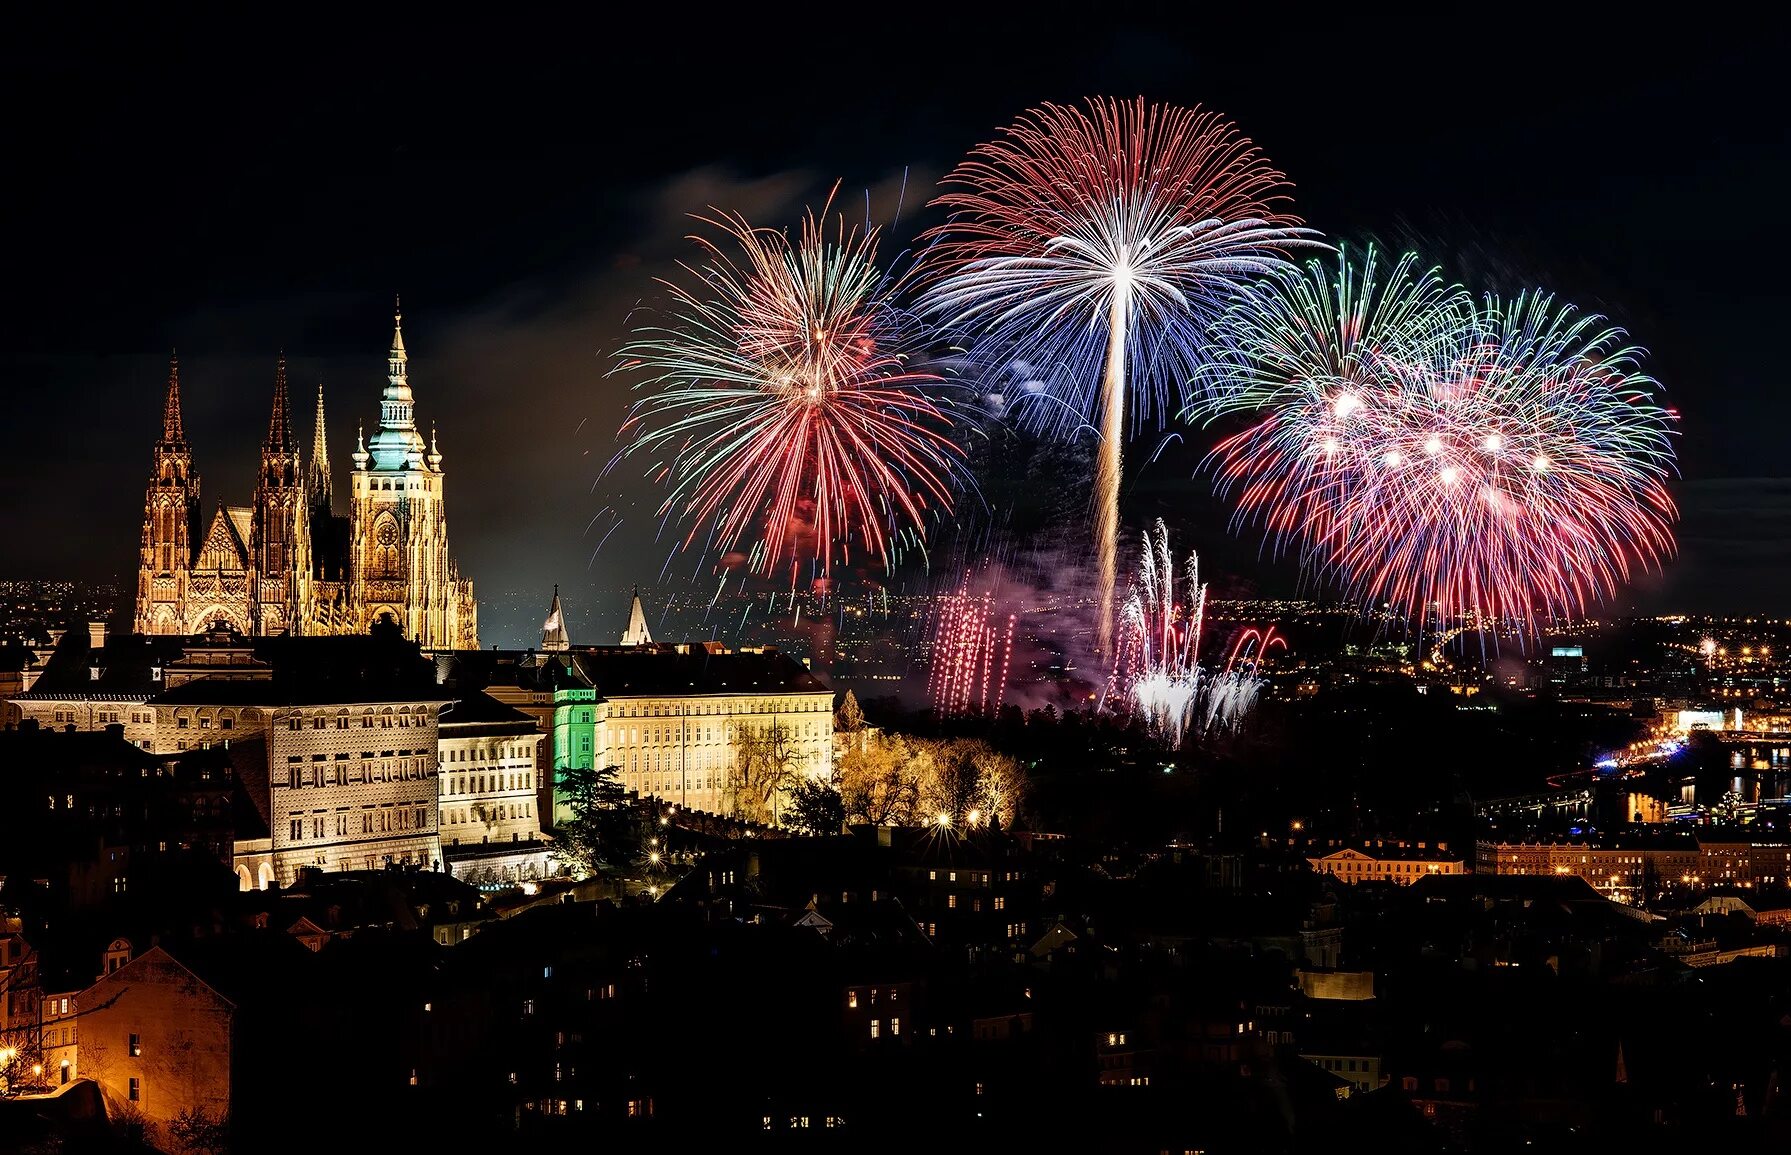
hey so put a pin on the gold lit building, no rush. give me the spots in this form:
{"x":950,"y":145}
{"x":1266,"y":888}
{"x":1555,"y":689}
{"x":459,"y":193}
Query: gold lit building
{"x":287,"y":563}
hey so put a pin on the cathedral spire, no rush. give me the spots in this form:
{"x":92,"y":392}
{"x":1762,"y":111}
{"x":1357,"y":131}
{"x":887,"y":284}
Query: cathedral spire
{"x":317,"y":473}
{"x":172,"y":432}
{"x":396,"y":367}
{"x":279,"y":424}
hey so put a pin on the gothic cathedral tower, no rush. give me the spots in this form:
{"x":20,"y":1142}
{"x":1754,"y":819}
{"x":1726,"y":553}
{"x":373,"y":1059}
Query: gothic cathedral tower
{"x":280,"y":542}
{"x":170,"y":524}
{"x":287,"y":564}
{"x":399,"y":566}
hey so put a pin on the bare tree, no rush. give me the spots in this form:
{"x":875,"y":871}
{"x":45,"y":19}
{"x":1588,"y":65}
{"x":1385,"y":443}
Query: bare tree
{"x":766,"y":766}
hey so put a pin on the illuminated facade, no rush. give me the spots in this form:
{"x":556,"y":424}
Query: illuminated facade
{"x":672,"y":719}
{"x":1388,"y":863}
{"x":490,"y":824}
{"x":287,"y":564}
{"x":340,"y":772}
{"x":1630,"y":868}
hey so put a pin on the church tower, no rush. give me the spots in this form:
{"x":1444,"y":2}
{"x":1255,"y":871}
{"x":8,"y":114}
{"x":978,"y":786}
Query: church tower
{"x":400,"y":569}
{"x":280,"y":541}
{"x":170,"y":523}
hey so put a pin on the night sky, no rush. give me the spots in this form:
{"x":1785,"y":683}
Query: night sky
{"x":233,"y":188}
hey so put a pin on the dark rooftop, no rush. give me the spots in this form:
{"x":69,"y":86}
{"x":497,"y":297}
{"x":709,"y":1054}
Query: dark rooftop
{"x":635,"y":671}
{"x":480,"y":708}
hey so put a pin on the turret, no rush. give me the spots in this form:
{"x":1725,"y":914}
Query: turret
{"x":553,"y":631}
{"x":637,"y":633}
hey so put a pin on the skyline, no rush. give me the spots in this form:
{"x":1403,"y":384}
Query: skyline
{"x":308,"y":210}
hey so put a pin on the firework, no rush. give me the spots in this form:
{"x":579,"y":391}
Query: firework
{"x":1156,"y":669}
{"x":784,"y":402}
{"x":1480,"y":461}
{"x":1089,"y":250}
{"x":1159,"y":642}
{"x":1231,"y":694}
{"x":971,"y":655}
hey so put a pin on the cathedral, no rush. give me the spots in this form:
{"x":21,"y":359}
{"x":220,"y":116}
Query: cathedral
{"x":289,"y":563}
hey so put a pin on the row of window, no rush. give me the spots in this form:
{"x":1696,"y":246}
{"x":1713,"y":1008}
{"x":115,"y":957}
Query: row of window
{"x":972,"y":876}
{"x":102,"y":717}
{"x":659,"y":710}
{"x":481,"y":754}
{"x":224,"y":723}
{"x":404,"y":718}
{"x":344,"y":774}
{"x":484,"y":784}
{"x":387,"y":820}
{"x":503,"y":811}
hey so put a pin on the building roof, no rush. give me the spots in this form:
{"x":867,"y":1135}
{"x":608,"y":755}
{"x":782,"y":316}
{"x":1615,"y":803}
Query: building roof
{"x":660,"y":672}
{"x":127,"y":666}
{"x":304,"y":671}
{"x":657,"y":670}
{"x":481,"y":709}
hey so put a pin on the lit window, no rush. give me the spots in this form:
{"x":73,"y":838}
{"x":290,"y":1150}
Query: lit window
{"x":876,"y":1028}
{"x":136,"y":1046}
{"x":851,"y":998}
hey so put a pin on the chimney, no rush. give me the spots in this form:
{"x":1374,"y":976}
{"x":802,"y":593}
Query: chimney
{"x":96,"y":635}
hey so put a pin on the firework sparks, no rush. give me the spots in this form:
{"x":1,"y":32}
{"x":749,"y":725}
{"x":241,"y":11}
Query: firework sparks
{"x":1095,"y":247}
{"x":1159,"y":640}
{"x":1488,"y":461}
{"x":971,"y":654}
{"x":785,"y":404}
{"x":1231,"y":694}
{"x":1157,"y":669}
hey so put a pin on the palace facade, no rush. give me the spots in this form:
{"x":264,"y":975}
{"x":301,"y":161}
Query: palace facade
{"x":288,"y":563}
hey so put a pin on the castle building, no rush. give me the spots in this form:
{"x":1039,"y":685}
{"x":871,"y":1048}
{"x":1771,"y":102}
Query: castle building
{"x":490,"y":786}
{"x":288,"y":563}
{"x":677,"y":721}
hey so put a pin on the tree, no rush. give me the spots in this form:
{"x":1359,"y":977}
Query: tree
{"x":849,"y":717}
{"x":816,"y":808}
{"x":890,"y":779}
{"x":194,"y":1131}
{"x":604,"y":832}
{"x":878,"y":783}
{"x":766,"y":767}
